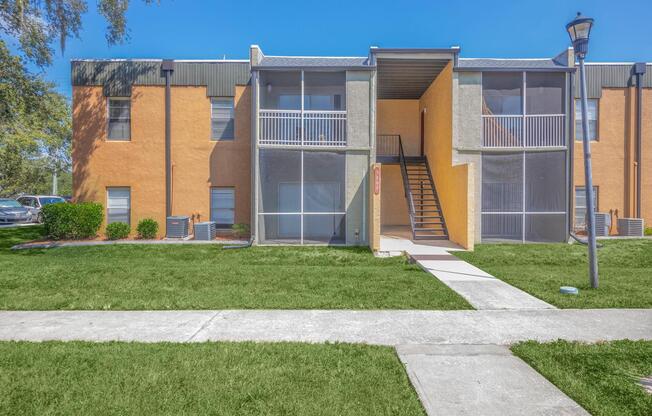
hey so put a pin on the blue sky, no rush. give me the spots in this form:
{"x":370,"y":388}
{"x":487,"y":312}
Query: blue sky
{"x":189,"y":29}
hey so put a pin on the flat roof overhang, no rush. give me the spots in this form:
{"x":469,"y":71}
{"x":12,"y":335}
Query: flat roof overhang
{"x":407,"y":73}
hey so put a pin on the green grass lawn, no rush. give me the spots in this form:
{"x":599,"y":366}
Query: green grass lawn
{"x":76,"y":378}
{"x":601,"y":377}
{"x":540,"y":269}
{"x":132,"y":277}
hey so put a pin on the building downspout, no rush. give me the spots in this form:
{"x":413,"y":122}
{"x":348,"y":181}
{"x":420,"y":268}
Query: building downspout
{"x":639,"y":70}
{"x":167,"y":66}
{"x":571,"y":154}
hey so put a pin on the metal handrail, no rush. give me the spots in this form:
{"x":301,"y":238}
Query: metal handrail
{"x":406,"y":186}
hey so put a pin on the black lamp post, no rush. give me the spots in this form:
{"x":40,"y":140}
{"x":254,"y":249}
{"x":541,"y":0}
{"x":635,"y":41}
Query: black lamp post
{"x":579,"y":30}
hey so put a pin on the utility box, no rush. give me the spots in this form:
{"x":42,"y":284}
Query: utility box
{"x":177,"y":227}
{"x":602,"y":224}
{"x":630,"y":227}
{"x":205,"y":231}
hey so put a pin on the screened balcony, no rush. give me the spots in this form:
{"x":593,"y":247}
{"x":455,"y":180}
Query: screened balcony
{"x":523,"y":110}
{"x":302,"y":108}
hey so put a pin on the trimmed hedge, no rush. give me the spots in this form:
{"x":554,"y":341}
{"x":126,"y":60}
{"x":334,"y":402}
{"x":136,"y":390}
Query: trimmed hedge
{"x":72,"y":221}
{"x":147,"y":229}
{"x":117,"y":230}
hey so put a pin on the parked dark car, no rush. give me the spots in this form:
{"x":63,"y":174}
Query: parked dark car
{"x":34,"y":203}
{"x":11,"y":212}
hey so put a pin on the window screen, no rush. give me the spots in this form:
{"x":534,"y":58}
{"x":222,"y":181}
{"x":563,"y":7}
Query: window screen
{"x":545,"y":182}
{"x":592,"y":112}
{"x":222,"y":122}
{"x":118,"y":205}
{"x":524,"y":196}
{"x":502,"y":182}
{"x":223,"y":206}
{"x":502,"y":93}
{"x":580,"y":206}
{"x":302,"y":196}
{"x":544,"y":93}
{"x":324,"y":91}
{"x":280,"y":90}
{"x":119,"y":119}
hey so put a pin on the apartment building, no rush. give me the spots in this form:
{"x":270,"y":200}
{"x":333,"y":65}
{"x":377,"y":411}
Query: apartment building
{"x":337,"y":150}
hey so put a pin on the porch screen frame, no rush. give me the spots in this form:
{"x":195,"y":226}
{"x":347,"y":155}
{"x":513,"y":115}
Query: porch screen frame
{"x":524,"y":212}
{"x":302,"y":213}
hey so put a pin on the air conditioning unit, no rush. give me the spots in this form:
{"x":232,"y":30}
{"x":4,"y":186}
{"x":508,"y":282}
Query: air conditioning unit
{"x":630,"y":227}
{"x":602,"y":224}
{"x":205,"y":231}
{"x":177,"y":227}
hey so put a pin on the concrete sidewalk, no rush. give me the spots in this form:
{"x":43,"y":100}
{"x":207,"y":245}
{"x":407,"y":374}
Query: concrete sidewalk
{"x":372,"y":327}
{"x":482,"y":290}
{"x":481,"y":380}
{"x":463,"y":370}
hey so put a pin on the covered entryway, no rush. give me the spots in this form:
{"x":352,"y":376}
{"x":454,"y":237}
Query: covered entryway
{"x":413,"y":148}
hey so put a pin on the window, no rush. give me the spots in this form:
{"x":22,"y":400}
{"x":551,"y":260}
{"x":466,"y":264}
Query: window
{"x":502,"y":93}
{"x":118,"y":205}
{"x":580,"y":206}
{"x":119,"y":119}
{"x":222,"y":123}
{"x":592,"y":112}
{"x":223,"y":207}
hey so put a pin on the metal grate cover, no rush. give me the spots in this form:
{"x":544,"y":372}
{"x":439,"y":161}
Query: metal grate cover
{"x":205,"y":231}
{"x":630,"y":227}
{"x":177,"y":227}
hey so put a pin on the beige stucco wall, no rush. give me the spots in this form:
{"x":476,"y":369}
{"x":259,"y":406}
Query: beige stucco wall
{"x":455,"y":184}
{"x":198,"y":163}
{"x":400,"y":117}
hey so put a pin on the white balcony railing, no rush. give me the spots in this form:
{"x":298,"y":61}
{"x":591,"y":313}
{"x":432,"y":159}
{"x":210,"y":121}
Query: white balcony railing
{"x":523,"y":131}
{"x":302,"y":128}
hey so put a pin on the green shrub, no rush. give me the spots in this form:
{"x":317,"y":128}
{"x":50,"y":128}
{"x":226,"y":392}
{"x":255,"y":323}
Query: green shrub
{"x":117,"y":230}
{"x":72,"y":221}
{"x":240,"y":230}
{"x":648,"y":230}
{"x":147,"y":228}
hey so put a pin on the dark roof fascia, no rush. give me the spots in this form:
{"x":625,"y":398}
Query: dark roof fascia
{"x":314,"y":67}
{"x":415,"y":50}
{"x":514,"y":69}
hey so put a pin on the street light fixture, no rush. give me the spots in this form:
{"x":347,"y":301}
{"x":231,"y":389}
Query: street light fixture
{"x":579,"y":31}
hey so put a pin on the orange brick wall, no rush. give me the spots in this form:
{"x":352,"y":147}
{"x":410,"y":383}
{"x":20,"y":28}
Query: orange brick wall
{"x":197,"y":162}
{"x":613,"y":155}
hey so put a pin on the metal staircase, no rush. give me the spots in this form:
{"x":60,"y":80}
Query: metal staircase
{"x":424,"y":209}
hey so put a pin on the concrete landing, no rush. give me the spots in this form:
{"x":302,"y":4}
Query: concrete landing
{"x":481,"y":380}
{"x":482,"y":290}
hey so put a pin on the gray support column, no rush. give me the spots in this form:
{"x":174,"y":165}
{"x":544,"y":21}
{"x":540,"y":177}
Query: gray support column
{"x":357,"y":188}
{"x":358,"y":111}
{"x":467,"y":133}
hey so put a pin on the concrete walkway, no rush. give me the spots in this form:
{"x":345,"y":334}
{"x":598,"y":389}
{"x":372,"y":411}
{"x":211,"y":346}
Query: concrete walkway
{"x":479,"y":288}
{"x":481,"y":380}
{"x":371,"y":327}
{"x":463,"y":369}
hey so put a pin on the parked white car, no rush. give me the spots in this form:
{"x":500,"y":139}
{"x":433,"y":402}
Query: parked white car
{"x":34,"y":203}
